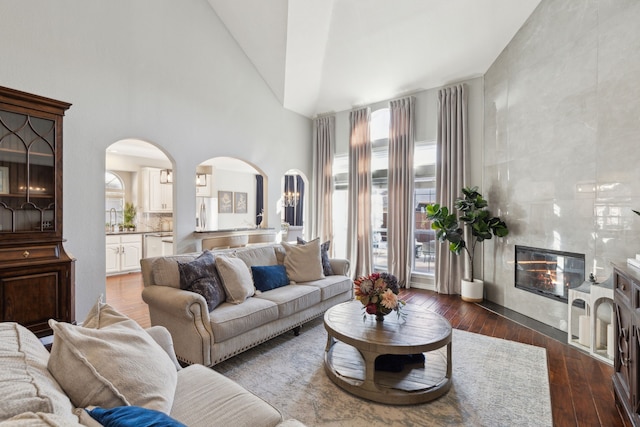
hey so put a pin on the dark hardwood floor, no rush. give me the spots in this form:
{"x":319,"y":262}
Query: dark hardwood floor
{"x":581,"y":387}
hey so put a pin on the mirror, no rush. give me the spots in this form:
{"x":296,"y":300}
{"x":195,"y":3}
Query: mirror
{"x":230,"y":195}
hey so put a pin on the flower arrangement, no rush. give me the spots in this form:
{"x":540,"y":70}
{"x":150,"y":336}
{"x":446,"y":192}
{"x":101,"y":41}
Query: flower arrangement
{"x":378,"y":293}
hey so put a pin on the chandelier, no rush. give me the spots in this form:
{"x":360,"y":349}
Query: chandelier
{"x":290,"y":199}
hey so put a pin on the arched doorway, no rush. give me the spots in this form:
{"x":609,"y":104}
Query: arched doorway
{"x":138,"y":204}
{"x":230,"y":195}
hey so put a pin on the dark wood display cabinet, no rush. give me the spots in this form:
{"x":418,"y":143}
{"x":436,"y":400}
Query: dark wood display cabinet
{"x":626,"y":384}
{"x":37,"y":276}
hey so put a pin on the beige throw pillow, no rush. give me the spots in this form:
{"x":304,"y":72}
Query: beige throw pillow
{"x":303,"y":262}
{"x":236,"y":278}
{"x":111,"y":361}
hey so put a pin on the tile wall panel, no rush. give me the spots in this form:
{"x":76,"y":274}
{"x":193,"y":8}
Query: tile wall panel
{"x":562,"y":143}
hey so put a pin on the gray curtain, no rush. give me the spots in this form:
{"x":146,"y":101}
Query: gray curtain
{"x":400,"y":200}
{"x":451,"y":176}
{"x":324,"y":130}
{"x":359,"y":209}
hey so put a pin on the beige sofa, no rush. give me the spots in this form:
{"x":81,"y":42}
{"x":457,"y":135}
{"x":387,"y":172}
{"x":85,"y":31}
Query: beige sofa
{"x":31,"y":395}
{"x":208,"y":338}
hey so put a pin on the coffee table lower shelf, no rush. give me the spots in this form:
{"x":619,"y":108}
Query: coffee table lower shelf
{"x":354,"y":371}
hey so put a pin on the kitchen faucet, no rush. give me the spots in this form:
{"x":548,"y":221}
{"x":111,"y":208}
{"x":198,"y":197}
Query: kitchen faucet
{"x":112,"y":219}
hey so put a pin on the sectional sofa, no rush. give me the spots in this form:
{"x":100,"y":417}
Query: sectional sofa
{"x":113,"y":368}
{"x":219,"y":303}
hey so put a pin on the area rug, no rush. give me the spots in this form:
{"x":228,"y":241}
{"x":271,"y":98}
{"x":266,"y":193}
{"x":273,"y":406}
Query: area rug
{"x":495,"y":383}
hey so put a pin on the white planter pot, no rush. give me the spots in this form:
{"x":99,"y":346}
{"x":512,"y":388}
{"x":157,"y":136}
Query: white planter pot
{"x":472,"y":291}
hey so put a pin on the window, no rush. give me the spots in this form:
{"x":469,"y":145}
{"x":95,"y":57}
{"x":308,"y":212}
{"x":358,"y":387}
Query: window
{"x":424,"y":193}
{"x":114,"y":199}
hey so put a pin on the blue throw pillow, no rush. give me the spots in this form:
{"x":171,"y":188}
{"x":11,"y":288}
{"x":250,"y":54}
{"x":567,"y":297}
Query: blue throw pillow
{"x":269,"y":277}
{"x":132,"y":416}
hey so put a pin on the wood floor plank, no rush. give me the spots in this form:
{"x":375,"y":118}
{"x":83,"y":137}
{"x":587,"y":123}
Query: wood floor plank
{"x":580,"y":386}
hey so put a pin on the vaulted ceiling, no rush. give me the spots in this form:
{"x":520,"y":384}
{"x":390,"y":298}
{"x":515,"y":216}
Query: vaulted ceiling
{"x":319,"y":56}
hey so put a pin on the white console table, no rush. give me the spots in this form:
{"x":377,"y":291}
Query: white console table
{"x":595,"y":328}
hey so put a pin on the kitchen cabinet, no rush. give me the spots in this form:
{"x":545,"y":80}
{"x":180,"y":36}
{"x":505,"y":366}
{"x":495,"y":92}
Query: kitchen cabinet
{"x":167,"y":247}
{"x":157,"y":245}
{"x":123,"y":253}
{"x":157,"y":197}
{"x":37,"y":275}
{"x":626,"y":285}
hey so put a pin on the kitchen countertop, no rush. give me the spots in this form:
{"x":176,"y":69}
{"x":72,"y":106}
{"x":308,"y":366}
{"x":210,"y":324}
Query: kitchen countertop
{"x":158,"y":233}
{"x":230,"y":230}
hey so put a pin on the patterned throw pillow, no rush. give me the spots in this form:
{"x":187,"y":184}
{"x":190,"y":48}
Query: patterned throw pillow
{"x":201,"y":276}
{"x":324,"y":255}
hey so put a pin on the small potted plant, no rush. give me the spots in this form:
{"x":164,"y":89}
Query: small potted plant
{"x":129,"y":216}
{"x":477,"y":219}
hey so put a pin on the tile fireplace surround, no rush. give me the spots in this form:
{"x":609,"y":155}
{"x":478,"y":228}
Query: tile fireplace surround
{"x":560,"y":160}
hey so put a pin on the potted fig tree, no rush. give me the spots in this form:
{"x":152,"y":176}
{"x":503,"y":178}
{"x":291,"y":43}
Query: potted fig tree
{"x":474,"y":216}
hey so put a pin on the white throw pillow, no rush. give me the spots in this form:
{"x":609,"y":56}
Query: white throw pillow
{"x":303,"y":262}
{"x":111,"y":361}
{"x":236,"y":278}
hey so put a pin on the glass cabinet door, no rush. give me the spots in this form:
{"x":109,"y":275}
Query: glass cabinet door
{"x":27,"y":173}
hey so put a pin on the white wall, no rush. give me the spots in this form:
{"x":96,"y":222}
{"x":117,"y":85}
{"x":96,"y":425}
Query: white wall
{"x":162,"y":71}
{"x":233,"y":181}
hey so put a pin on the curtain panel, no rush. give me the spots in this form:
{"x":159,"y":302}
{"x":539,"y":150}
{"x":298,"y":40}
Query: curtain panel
{"x":451,"y":176}
{"x":324,"y":131}
{"x":359,"y":209}
{"x":259,"y":200}
{"x":400,"y":204}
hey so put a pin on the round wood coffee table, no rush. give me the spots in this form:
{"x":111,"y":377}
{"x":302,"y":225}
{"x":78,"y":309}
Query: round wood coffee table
{"x":353,"y":345}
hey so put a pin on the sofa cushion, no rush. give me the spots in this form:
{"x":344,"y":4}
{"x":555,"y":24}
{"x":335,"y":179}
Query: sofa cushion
{"x":205,"y":398}
{"x":292,"y":299}
{"x":41,"y":419}
{"x":26,"y":384}
{"x":262,"y":255}
{"x":236,"y":278}
{"x":303,"y":262}
{"x":230,"y":320}
{"x":324,"y":256}
{"x":331,"y":286}
{"x":269,"y":277}
{"x":132,"y":416}
{"x":111,"y":361}
{"x":201,"y":276}
{"x":165,"y":270}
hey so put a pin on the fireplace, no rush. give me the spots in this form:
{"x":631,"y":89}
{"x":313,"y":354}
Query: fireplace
{"x":548,"y":273}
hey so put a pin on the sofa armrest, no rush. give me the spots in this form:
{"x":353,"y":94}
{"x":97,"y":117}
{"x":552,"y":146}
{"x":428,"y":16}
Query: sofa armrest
{"x":161,"y":335}
{"x":340,"y":266}
{"x":186,"y":316}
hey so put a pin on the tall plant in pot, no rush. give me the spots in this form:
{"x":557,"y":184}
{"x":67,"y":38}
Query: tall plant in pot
{"x":475,"y":217}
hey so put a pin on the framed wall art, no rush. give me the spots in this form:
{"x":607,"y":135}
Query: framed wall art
{"x":225,"y":202}
{"x":240,"y":202}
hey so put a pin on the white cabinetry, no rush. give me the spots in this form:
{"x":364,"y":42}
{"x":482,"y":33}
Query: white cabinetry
{"x":157,"y":197}
{"x":167,"y":247}
{"x":123,"y":253}
{"x":157,"y":245}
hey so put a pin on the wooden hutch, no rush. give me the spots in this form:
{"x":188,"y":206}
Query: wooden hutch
{"x":37,"y":276}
